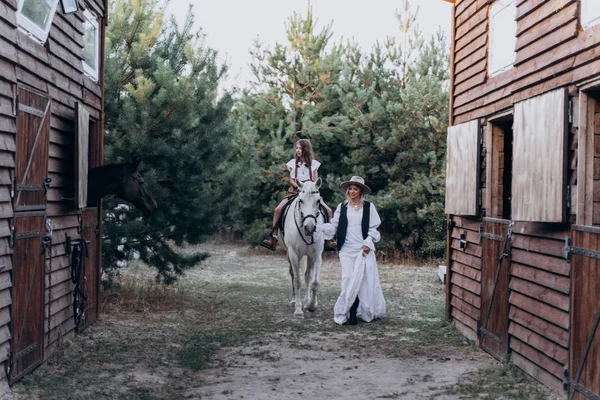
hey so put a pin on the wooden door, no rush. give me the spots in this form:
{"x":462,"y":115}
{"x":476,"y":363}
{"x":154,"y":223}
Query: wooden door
{"x":584,"y":358}
{"x":28,"y":295}
{"x":493,"y":330}
{"x":31,"y":168}
{"x":90,"y":273}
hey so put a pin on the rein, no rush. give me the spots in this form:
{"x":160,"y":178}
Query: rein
{"x":304,"y":218}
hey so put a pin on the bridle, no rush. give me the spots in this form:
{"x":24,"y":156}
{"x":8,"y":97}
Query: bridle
{"x":303,"y":219}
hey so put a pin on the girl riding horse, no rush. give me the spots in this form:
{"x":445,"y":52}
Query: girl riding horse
{"x":301,"y":168}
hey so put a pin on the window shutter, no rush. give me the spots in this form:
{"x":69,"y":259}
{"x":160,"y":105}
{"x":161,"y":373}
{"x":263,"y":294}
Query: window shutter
{"x":82,"y":116}
{"x":462,"y":169}
{"x":539,"y":158}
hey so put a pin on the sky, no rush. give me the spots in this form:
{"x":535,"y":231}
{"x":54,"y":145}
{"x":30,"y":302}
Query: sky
{"x":231,"y":26}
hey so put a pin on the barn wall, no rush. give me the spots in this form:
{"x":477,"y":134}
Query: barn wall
{"x":539,"y":301}
{"x":56,"y":70}
{"x":551,"y":52}
{"x":465,"y":277}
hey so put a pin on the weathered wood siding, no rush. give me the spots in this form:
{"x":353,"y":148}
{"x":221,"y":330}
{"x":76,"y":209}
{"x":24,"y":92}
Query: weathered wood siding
{"x":551,"y":52}
{"x":464,"y":276}
{"x":585,"y":302}
{"x":539,"y":301}
{"x":56,"y":70}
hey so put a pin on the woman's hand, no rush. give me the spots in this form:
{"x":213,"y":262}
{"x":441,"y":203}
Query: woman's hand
{"x":366,"y":249}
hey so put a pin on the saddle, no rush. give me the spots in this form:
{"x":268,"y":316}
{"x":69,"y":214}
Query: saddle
{"x":286,"y":208}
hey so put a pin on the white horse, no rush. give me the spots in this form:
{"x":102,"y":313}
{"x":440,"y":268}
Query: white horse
{"x":304,"y":245}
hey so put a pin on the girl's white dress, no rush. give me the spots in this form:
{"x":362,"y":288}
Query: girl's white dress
{"x":360,"y":276}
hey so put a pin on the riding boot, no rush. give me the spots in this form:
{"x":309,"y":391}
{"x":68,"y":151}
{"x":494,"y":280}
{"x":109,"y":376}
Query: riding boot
{"x":330,"y":245}
{"x":353,"y":319}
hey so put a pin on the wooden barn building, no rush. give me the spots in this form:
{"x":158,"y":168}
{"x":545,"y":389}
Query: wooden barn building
{"x":523,"y":186}
{"x":51,"y":131}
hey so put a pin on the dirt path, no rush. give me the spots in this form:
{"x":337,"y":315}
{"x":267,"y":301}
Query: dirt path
{"x":226,"y":331}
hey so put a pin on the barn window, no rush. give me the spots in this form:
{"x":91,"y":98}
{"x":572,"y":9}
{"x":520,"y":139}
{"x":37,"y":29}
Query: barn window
{"x":499,"y":142}
{"x":539,"y":158}
{"x":462,"y":169}
{"x":503,"y":36}
{"x":35,"y":17}
{"x":590,"y":13}
{"x":91,"y":50}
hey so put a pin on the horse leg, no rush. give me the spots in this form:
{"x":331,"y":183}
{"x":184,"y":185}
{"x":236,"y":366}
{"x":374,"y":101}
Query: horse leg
{"x":293,"y":301}
{"x":295,"y":268}
{"x":313,"y":286}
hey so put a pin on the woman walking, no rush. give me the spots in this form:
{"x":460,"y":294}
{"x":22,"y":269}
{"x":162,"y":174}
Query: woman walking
{"x":356,"y":221}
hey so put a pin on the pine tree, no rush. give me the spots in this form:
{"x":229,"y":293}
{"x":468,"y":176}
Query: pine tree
{"x":381,"y":114}
{"x":163,"y":105}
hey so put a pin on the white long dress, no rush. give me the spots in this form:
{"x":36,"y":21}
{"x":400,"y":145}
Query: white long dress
{"x":360,"y":276}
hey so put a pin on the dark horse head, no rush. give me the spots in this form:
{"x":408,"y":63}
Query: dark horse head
{"x":122,"y":180}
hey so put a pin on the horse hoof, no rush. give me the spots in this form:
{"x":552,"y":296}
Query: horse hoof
{"x":298,"y":313}
{"x":312,"y":309}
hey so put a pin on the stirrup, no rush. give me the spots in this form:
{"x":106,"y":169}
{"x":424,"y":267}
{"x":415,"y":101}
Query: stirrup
{"x":269,"y":243}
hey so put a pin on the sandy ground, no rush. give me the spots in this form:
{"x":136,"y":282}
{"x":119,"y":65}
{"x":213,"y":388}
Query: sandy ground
{"x":227,"y":331}
{"x":329,"y":366}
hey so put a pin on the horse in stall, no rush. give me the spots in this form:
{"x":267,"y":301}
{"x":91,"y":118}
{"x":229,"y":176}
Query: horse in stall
{"x":122,"y":180}
{"x":303,"y":243}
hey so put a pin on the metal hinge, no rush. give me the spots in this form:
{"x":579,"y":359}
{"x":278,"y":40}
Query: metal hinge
{"x":450,"y":224}
{"x":566,"y":381}
{"x":28,"y":350}
{"x":481,"y":132}
{"x":577,"y":387}
{"x":463,"y":241}
{"x":570,"y":249}
{"x":482,"y":331}
{"x":570,"y":111}
{"x":568,"y":196}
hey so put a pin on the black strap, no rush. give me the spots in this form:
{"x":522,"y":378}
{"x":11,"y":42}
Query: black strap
{"x":366,"y":219}
{"x":80,"y":299}
{"x":343,"y":223}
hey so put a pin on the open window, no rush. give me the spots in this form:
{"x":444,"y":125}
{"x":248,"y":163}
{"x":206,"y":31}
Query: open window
{"x":590,"y":13}
{"x":91,"y":41}
{"x":539,"y":158}
{"x":499,"y":171}
{"x":503,"y":36}
{"x":462,"y":169}
{"x":588,"y":156}
{"x":35,"y":17}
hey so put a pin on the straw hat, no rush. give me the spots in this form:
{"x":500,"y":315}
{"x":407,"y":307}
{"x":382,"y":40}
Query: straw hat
{"x":358,"y":181}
